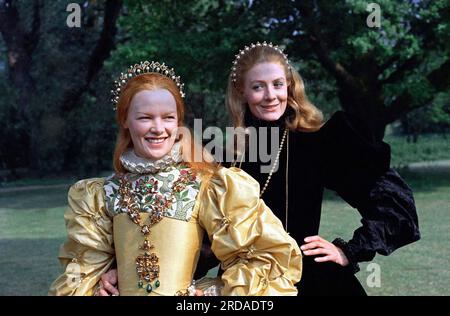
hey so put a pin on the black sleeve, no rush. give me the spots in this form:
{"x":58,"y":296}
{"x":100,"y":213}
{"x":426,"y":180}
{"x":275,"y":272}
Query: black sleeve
{"x":359,"y":172}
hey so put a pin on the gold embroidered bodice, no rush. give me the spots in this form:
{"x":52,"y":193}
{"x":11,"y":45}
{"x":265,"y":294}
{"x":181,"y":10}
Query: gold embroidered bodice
{"x":257,"y":255}
{"x":167,"y":199}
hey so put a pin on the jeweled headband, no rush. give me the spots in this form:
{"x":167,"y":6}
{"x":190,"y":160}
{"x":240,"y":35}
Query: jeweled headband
{"x":246,"y":49}
{"x":140,"y":69}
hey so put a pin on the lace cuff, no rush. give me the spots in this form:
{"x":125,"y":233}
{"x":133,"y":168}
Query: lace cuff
{"x":353,"y":265}
{"x":209,"y":287}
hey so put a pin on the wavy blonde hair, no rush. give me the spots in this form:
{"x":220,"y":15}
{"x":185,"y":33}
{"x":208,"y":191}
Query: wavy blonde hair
{"x":191,"y":150}
{"x":305,"y":116}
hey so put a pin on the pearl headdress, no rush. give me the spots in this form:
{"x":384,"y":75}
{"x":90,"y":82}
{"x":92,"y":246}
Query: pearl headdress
{"x":246,"y":49}
{"x":140,"y":69}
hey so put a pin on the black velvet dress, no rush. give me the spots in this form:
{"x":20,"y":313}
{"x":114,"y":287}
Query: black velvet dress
{"x":339,"y":158}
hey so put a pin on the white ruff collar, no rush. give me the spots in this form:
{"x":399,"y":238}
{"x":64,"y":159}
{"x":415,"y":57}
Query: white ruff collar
{"x":136,"y":164}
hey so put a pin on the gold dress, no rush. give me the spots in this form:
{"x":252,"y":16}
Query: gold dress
{"x":257,"y":255}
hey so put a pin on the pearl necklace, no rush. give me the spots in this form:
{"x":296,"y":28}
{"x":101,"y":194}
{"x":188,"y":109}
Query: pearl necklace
{"x":275,"y":163}
{"x":266,"y":184}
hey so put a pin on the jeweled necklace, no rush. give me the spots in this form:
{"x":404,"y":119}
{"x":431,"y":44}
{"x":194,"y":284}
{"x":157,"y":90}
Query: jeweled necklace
{"x":146,"y":192}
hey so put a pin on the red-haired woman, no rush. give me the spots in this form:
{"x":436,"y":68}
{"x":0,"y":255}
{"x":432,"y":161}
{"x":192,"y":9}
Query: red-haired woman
{"x":151,"y":214}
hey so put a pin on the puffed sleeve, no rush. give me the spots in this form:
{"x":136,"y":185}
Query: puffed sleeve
{"x":359,"y":171}
{"x":258,"y":256}
{"x":88,"y":251}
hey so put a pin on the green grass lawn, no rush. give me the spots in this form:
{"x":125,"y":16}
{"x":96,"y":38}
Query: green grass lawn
{"x":422,"y":268}
{"x":32,"y":228}
{"x":427,"y":148}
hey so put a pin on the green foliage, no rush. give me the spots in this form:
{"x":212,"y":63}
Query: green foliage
{"x":59,"y":131}
{"x":91,"y":134}
{"x":395,"y":17}
{"x":199,"y":39}
{"x":433,"y":118}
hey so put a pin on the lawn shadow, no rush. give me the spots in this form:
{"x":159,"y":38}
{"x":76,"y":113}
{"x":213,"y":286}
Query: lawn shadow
{"x":423,"y":182}
{"x":43,"y":198}
{"x":28,"y":266}
{"x":426,"y":182}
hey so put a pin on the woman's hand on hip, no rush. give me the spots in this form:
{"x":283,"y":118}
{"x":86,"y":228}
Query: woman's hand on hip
{"x":317,"y":246}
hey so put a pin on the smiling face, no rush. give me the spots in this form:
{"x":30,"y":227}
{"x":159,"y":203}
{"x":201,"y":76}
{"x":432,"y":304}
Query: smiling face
{"x":152,"y":121}
{"x":265,"y":90}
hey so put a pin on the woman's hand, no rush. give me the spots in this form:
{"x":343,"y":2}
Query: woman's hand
{"x":316,"y":245}
{"x":108,"y":284}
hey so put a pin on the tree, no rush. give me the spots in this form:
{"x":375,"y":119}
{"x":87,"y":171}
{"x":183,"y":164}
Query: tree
{"x":50,"y":66}
{"x":59,"y":77}
{"x":432,"y":118}
{"x":382,"y":73}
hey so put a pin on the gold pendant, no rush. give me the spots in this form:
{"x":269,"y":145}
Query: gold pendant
{"x":147,"y":267}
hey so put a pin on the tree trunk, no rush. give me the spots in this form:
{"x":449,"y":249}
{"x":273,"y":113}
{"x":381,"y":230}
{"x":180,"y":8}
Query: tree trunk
{"x":21,"y":45}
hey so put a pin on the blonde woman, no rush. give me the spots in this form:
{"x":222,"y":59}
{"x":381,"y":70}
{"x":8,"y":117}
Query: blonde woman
{"x":264,"y":90}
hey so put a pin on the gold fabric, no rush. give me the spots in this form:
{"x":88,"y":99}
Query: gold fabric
{"x":88,"y":251}
{"x":177,"y":244}
{"x":258,"y":256}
